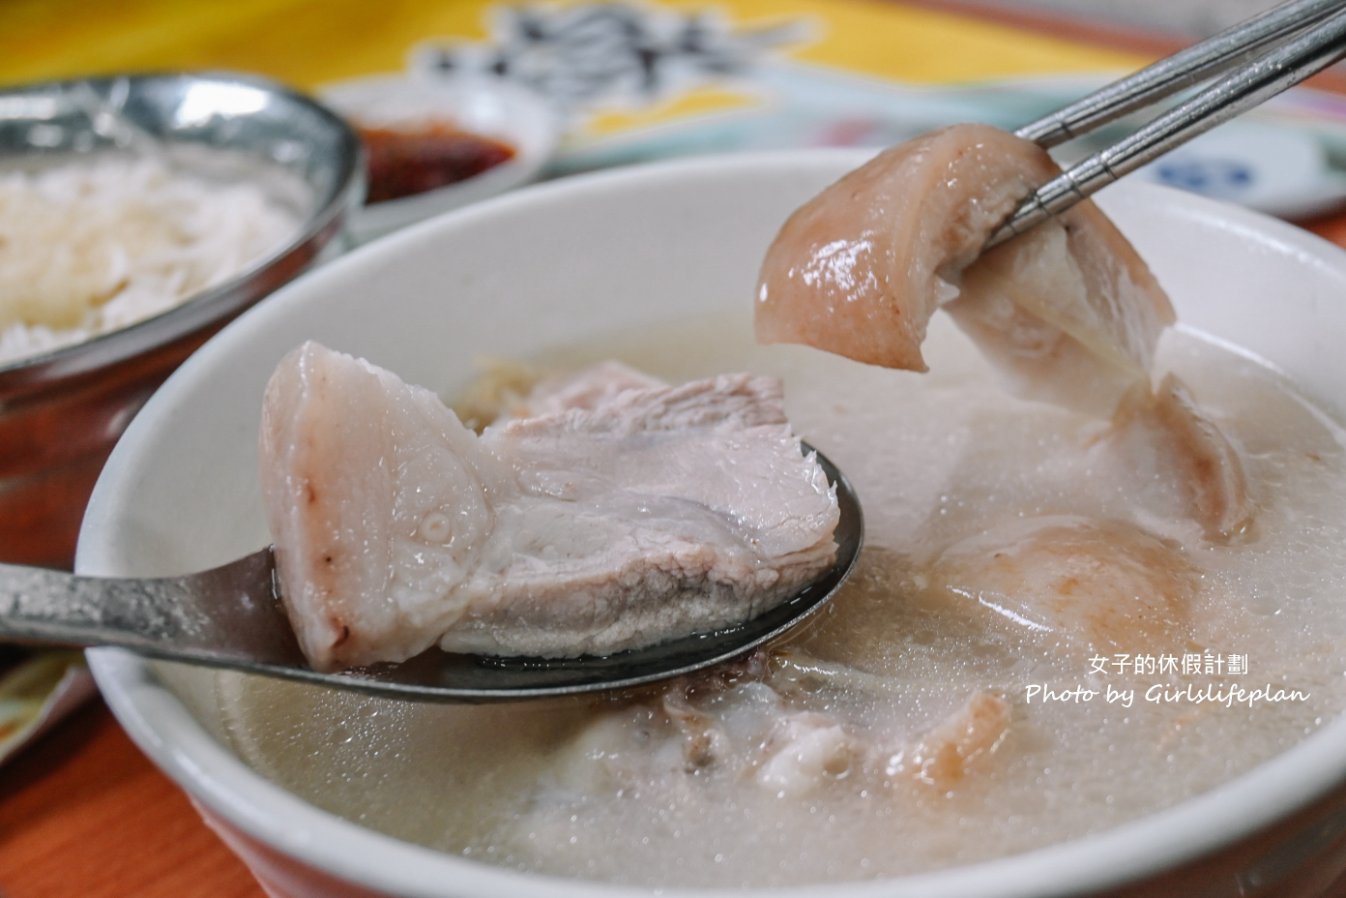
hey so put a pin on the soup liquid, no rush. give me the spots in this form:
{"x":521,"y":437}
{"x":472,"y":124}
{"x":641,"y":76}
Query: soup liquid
{"x":623,"y":789}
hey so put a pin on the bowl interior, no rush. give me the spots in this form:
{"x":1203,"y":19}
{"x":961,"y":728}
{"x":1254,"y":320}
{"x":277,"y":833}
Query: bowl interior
{"x":538,"y":269}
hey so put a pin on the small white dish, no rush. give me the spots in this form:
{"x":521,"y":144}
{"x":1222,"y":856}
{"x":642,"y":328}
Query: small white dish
{"x":488,"y":107}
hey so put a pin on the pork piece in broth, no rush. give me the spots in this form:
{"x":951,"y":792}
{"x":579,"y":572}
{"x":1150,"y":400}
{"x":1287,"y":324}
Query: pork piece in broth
{"x":1082,"y":584}
{"x":640,"y":515}
{"x":1165,"y":433}
{"x":748,"y":723}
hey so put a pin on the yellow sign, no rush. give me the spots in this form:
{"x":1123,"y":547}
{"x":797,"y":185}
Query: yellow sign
{"x":308,"y":42}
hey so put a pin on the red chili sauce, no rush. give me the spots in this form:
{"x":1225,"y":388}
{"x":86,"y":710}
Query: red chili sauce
{"x":403,"y":162}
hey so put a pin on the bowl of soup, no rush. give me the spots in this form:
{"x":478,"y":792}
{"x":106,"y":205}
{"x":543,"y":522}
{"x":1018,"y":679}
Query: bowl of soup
{"x":956,"y":723}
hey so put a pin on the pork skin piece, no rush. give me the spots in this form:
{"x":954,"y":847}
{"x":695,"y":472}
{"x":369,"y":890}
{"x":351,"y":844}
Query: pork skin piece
{"x":1068,"y":310}
{"x":1165,"y":430}
{"x":1076,"y":582}
{"x":657,"y":512}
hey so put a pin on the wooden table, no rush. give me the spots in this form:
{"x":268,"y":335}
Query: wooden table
{"x":84,"y":815}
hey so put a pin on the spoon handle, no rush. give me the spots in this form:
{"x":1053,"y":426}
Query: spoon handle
{"x":227,"y":615}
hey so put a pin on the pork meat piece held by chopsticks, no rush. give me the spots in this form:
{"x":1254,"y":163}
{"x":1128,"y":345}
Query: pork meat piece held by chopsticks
{"x":653,"y":513}
{"x":1069,"y":310}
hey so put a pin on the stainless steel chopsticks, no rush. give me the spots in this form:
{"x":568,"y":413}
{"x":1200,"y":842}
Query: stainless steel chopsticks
{"x":1267,"y":54}
{"x":1174,"y":73}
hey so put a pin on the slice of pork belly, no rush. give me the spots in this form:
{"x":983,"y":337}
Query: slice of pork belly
{"x":1068,"y":310}
{"x":653,"y":513}
{"x":586,"y":388}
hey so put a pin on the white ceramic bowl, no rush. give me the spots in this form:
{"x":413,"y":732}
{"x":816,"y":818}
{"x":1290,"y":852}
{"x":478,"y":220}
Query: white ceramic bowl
{"x":490,"y":107}
{"x":633,"y":249}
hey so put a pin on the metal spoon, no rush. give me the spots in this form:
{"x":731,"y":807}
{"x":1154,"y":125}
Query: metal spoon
{"x":231,"y":617}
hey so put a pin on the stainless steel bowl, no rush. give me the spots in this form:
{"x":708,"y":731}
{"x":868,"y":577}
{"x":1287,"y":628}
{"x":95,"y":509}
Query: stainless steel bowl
{"x":61,"y":412}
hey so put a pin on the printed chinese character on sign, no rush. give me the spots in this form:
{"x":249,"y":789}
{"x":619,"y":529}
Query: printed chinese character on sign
{"x":1121,"y":662}
{"x":1098,"y":664}
{"x":1236,"y":665}
{"x":585,"y":54}
{"x":1168,"y":664}
{"x":1146,"y":664}
{"x":1212,"y":663}
{"x":1191,"y":663}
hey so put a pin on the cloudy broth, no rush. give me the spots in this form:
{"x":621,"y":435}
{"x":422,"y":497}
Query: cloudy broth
{"x":917,"y":725}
